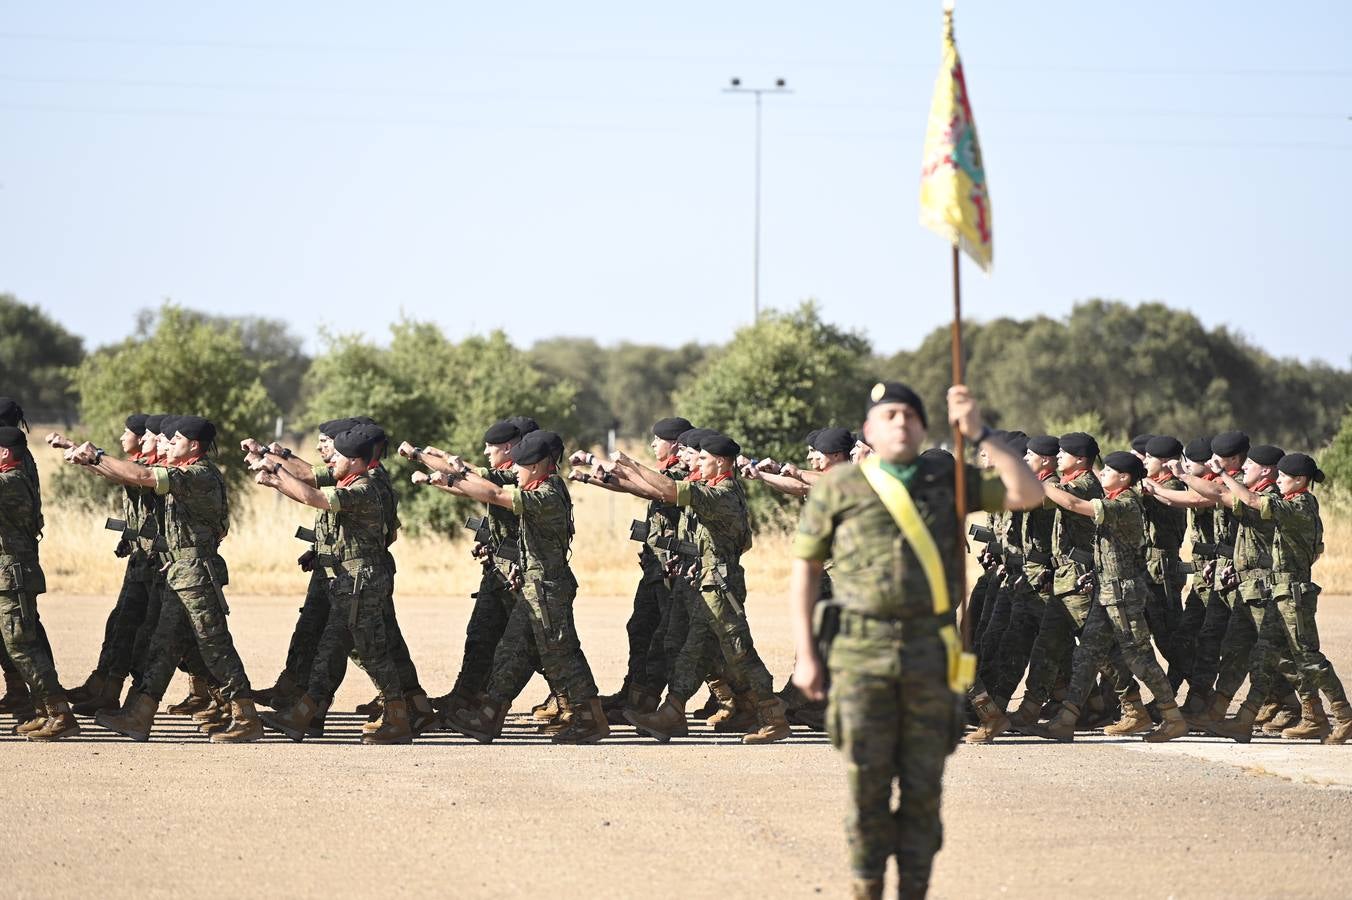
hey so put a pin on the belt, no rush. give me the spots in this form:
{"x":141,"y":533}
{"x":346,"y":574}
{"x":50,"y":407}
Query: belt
{"x":188,"y":553}
{"x":349,"y":564}
{"x":855,"y":624}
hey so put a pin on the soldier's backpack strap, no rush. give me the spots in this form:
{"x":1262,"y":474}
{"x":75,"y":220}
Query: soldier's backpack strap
{"x":893,"y":494}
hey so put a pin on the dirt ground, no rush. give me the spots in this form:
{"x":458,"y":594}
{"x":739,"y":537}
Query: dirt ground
{"x":701,"y":817}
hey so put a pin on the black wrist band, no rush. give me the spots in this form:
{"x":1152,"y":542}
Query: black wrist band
{"x":986,"y":431}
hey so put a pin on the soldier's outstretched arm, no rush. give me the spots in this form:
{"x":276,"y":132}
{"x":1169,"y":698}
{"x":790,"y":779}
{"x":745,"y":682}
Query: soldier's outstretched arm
{"x":118,"y":470}
{"x":791,"y":486}
{"x":1234,"y":490}
{"x":809,"y":671}
{"x":637,"y":473}
{"x":638,"y":486}
{"x":1180,"y":499}
{"x":1066,"y":500}
{"x":1022,"y":488}
{"x":286,"y":483}
{"x":480,"y":489}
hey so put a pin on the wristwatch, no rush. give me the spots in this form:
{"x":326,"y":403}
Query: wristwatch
{"x":986,"y":431}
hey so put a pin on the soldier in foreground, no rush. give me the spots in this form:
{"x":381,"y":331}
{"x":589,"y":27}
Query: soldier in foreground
{"x":895,"y":664}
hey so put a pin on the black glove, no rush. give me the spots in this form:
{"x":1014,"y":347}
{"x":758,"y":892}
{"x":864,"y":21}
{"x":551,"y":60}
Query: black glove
{"x":123,"y":549}
{"x":306,"y":561}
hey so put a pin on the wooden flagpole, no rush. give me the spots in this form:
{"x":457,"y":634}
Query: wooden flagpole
{"x":960,"y":467}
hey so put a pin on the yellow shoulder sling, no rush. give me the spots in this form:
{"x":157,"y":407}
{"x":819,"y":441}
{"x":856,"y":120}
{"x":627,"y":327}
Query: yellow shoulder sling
{"x":893,"y":494}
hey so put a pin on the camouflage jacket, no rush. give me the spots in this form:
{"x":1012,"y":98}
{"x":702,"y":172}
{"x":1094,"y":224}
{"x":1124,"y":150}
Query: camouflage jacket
{"x":545,"y":512}
{"x":720,"y":525}
{"x":360,"y":518}
{"x":325,"y":529}
{"x":502,"y":522}
{"x":139,"y":506}
{"x":30,"y":468}
{"x":1072,"y":532}
{"x":1035,"y":537}
{"x":1165,"y":526}
{"x":1119,"y":543}
{"x":1253,"y":541}
{"x":663,"y":518}
{"x":1202,"y":530}
{"x":20,"y":527}
{"x":196,"y":518}
{"x":1299,"y":538}
{"x":877,"y":573}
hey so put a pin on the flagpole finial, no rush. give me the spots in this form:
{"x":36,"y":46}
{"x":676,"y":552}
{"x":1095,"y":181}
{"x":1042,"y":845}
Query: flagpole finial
{"x":948,"y":6}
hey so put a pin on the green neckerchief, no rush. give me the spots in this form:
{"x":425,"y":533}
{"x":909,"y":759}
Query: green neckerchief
{"x":903,"y":473}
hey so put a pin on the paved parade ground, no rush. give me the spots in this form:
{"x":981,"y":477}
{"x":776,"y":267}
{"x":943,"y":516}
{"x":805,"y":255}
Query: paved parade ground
{"x":702,"y":817}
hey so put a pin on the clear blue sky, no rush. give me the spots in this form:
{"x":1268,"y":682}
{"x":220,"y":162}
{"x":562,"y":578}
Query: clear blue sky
{"x":575,"y":169}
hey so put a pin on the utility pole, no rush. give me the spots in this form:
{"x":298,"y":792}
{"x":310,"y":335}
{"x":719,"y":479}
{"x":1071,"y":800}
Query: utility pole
{"x":738,"y":88}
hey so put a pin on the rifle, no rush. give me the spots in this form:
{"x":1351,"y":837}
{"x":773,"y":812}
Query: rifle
{"x":489,"y":549}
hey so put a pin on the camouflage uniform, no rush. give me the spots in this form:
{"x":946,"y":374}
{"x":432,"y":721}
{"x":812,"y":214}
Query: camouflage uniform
{"x":1165,"y":527}
{"x":1216,"y":623}
{"x":652,"y":597}
{"x":1119,"y":613}
{"x":892,"y":712}
{"x":1031,"y":594}
{"x":714,"y":592}
{"x":1252,"y":562}
{"x":494,"y":599}
{"x":359,"y":591}
{"x":193,"y":609}
{"x":21,"y":581}
{"x":540,"y":632}
{"x":1202,"y":600}
{"x":1007,"y":586}
{"x":139,"y":506}
{"x":674,"y":625}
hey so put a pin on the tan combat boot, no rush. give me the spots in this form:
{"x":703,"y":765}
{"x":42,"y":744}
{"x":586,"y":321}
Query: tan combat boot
{"x":1135,"y":719}
{"x":17,"y":697}
{"x":639,"y":700}
{"x":587,"y":725}
{"x":244,"y":724}
{"x":1275,"y":703}
{"x":1287,"y":715}
{"x":34,"y":722}
{"x":1061,"y":728}
{"x":110,"y":698}
{"x":58,"y":724}
{"x":773,"y":725}
{"x":1025,"y":716}
{"x":1198,"y":700}
{"x":561,"y":721}
{"x":394,"y":727}
{"x":293,"y":722}
{"x":1313,"y":725}
{"x":548,"y":710}
{"x":135,"y":720}
{"x":283,"y":693}
{"x":1342,"y":723}
{"x":1240,"y":728}
{"x":994,"y":722}
{"x":421,"y":715}
{"x":1214,"y":712}
{"x":738,"y":718}
{"x":483,"y":723}
{"x":1172,"y":724}
{"x":198,"y":699}
{"x":720,"y":697}
{"x":92,"y":687}
{"x":666,"y":722}
{"x":866,"y":889}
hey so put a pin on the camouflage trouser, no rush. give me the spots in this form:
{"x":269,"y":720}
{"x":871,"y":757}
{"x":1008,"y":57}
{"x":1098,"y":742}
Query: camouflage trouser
{"x":1015,"y":648}
{"x":1189,"y":628}
{"x":673,"y":625}
{"x":1288,"y":644}
{"x":1206,"y":663}
{"x":1163,"y":615}
{"x":1053,"y":650}
{"x":998,"y":611}
{"x":358,"y":624}
{"x":314,"y":616}
{"x":1272,"y":669}
{"x":983,"y":603}
{"x":125,"y":620}
{"x":191,"y":617}
{"x":541,"y":636}
{"x":718,"y":633}
{"x":1241,"y":633}
{"x":1124,"y":624}
{"x":487,"y":622}
{"x":25,"y":643}
{"x":643,"y":624}
{"x":894,"y":718}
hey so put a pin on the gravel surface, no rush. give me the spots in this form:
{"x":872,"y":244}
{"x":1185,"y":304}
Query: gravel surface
{"x":703,"y":817}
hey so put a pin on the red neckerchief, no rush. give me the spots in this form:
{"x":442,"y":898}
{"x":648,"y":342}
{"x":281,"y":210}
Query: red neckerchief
{"x":346,"y":480}
{"x":1234,"y":473}
{"x":1073,"y":474}
{"x":10,"y":466}
{"x":696,"y":475}
{"x":1262,"y":485}
{"x":1163,"y":476}
{"x":134,"y":457}
{"x":670,"y":461}
{"x":718,"y":479}
{"x":184,"y":463}
{"x":1113,"y":495}
{"x":375,"y":464}
{"x":503,"y":466}
{"x":530,"y":486}
{"x":1044,"y":475}
{"x":1210,"y":475}
{"x":1294,"y":494}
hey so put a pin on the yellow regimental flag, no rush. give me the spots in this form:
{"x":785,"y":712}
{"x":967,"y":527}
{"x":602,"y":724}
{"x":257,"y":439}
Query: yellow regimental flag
{"x":954,"y":200}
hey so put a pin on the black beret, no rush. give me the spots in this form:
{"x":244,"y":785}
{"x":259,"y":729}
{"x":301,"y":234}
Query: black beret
{"x":12,"y":438}
{"x":363,"y":420}
{"x":168,"y":425}
{"x":1266,"y":454}
{"x":942,"y":461}
{"x":717,"y":444}
{"x":136,"y":423}
{"x":524,"y":424}
{"x":1300,"y":465}
{"x":693,"y":437}
{"x":1077,"y":443}
{"x":358,"y":442}
{"x":1198,"y":450}
{"x":896,"y":392}
{"x":1141,"y":442}
{"x":672,"y":428}
{"x":154,"y":422}
{"x":833,"y":440}
{"x":501,"y":433}
{"x":334,"y":427}
{"x":535,"y":446}
{"x":1044,"y":444}
{"x":1230,"y":443}
{"x":11,"y":413}
{"x":812,"y":436}
{"x":1017,"y":442}
{"x":1161,"y":446}
{"x":1129,"y":463}
{"x":195,"y":428}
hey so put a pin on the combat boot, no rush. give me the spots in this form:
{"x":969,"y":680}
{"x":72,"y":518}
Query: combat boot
{"x":1313,"y":724}
{"x":293,"y":722}
{"x":866,"y":889}
{"x":219,"y":720}
{"x":811,"y":715}
{"x":1135,"y":718}
{"x":548,"y":710}
{"x":198,"y":699}
{"x":993,"y":723}
{"x":640,"y":700}
{"x":739,"y":718}
{"x":33,"y":722}
{"x":421,"y":715}
{"x":17,"y":697}
{"x":483,"y":723}
{"x":560,"y":722}
{"x":720,"y":697}
{"x":244,"y":724}
{"x":616,"y":701}
{"x":371,"y":709}
{"x":109,"y":698}
{"x":92,"y":687}
{"x":1342,"y":723}
{"x":587,"y":725}
{"x":394,"y":727}
{"x":1061,"y":728}
{"x":666,"y":722}
{"x":1199,"y":698}
{"x":1287,"y":715}
{"x":1215,"y":711}
{"x":1274,"y":705}
{"x":1240,"y":728}
{"x":773,"y":725}
{"x":283,"y":693}
{"x":1172,"y":724}
{"x":1053,"y":706}
{"x":1025,"y":716}
{"x":452,"y":703}
{"x":135,"y":719}
{"x":58,"y":723}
